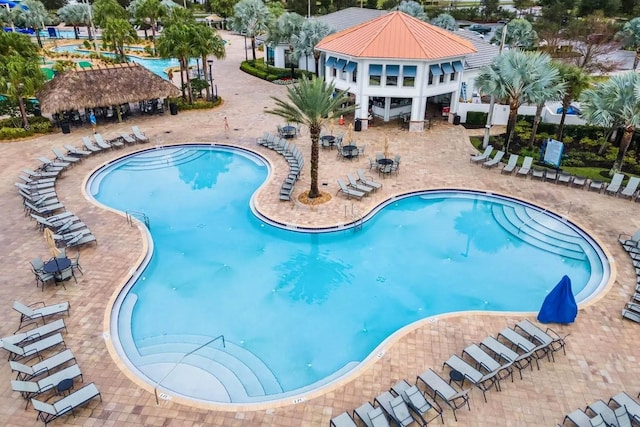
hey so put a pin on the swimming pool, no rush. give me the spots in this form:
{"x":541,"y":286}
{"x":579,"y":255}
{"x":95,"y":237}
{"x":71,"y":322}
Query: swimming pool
{"x":298,"y":310}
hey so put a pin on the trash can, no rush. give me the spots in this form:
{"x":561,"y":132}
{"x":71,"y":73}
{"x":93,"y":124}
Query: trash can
{"x":64,"y":125}
{"x":173,"y":107}
{"x":358,"y":125}
{"x":456,"y":119}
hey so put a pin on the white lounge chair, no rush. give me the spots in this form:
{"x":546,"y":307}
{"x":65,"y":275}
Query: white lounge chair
{"x":495,"y":161}
{"x":368,"y":181}
{"x":550,"y":338}
{"x":632,"y":406}
{"x":395,"y":407}
{"x":48,"y":412}
{"x":342,"y":420}
{"x":32,"y":349}
{"x":348,"y":191}
{"x":526,"y":166}
{"x":453,"y":398}
{"x":73,"y":151}
{"x":631,"y":187}
{"x":614,"y":185}
{"x":138,"y":134}
{"x":31,"y":313}
{"x":482,"y":157}
{"x":41,"y":174}
{"x":483,"y":381}
{"x":127,"y":138}
{"x":353,"y":183}
{"x":370,"y":416}
{"x":26,"y":372}
{"x":537,"y":351}
{"x":64,"y":158}
{"x":46,"y":164}
{"x":511,"y":164}
{"x":501,"y":351}
{"x":484,"y":361}
{"x":89,"y":145}
{"x":417,"y":401}
{"x":101,"y":142}
{"x":29,"y":389}
{"x":35,"y":333}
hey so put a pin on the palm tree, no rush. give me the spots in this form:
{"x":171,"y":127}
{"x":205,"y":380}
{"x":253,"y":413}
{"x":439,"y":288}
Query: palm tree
{"x":284,"y":30}
{"x":175,"y":42}
{"x":76,"y":15}
{"x":311,"y":33}
{"x":576,"y":80}
{"x":116,"y":34}
{"x":614,"y":103}
{"x":33,"y":17}
{"x":151,"y":10}
{"x":17,"y":43}
{"x":19,"y":77}
{"x":514,"y":76}
{"x":630,"y":36}
{"x":251,"y":18}
{"x":520,"y":34}
{"x":103,"y":10}
{"x":208,"y":42}
{"x":312,"y":103}
{"x":446,"y":21}
{"x":551,"y":87}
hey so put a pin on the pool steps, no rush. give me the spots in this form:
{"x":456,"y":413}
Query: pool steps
{"x":163,"y":158}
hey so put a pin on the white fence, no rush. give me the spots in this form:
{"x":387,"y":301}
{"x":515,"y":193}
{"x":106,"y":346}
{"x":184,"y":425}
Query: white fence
{"x":501,"y":113}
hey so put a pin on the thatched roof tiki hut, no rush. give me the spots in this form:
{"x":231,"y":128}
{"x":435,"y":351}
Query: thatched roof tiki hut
{"x":102,"y":86}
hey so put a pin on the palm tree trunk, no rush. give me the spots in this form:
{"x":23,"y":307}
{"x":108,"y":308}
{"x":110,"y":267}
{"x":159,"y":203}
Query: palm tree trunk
{"x":253,"y":47}
{"x":76,"y":32}
{"x":560,"y":130}
{"x":293,"y":73}
{"x":536,"y":122}
{"x":624,"y":145}
{"x":23,"y":113}
{"x":206,"y":77}
{"x":153,"y":36}
{"x":188,"y":71}
{"x":317,"y":59}
{"x":511,"y":126}
{"x":89,"y":33}
{"x":182,"y":86}
{"x":315,"y":161}
{"x":37,"y":31}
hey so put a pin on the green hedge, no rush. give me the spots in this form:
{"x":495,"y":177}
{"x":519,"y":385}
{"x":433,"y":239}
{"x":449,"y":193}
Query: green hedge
{"x":197,"y":105}
{"x":258,"y":69}
{"x":476,"y":118}
{"x":37,"y":125}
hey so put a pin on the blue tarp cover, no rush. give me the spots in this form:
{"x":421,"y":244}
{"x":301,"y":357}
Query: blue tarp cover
{"x":560,"y":305}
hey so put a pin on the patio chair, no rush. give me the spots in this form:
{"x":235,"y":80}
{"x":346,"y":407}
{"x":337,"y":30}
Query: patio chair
{"x":42,"y":277}
{"x":600,"y":408}
{"x":579,"y":181}
{"x":368,"y":181}
{"x":482,"y":157}
{"x":520,"y":342}
{"x":138,"y":134}
{"x":343,"y":420}
{"x":26,"y":372}
{"x":563,"y":178}
{"x":483,"y":381}
{"x":632,"y":406}
{"x":64,"y":158}
{"x":630,"y":315}
{"x":128,"y":138}
{"x":75,"y":261}
{"x":81,"y":240}
{"x":501,"y":351}
{"x":511,"y":164}
{"x":484,"y":361}
{"x":614,"y":185}
{"x":581,"y":419}
{"x":353,"y":183}
{"x":89,"y":145}
{"x":46,"y":164}
{"x":43,"y":210}
{"x":39,"y":181}
{"x":41,"y":174}
{"x":553,"y":343}
{"x":35,"y":334}
{"x":453,"y":398}
{"x":17,"y":352}
{"x":631,"y":187}
{"x":370,"y":416}
{"x":49,"y":412}
{"x":551,"y":175}
{"x":537,"y":173}
{"x":395,"y":407}
{"x":525,"y":169}
{"x":495,"y":161}
{"x":101,"y":142}
{"x":31,"y":313}
{"x":29,"y":389}
{"x":417,"y":401}
{"x":629,"y":242}
{"x":595,"y":185}
{"x":623,"y":418}
{"x":348,"y":191}
{"x":73,"y":151}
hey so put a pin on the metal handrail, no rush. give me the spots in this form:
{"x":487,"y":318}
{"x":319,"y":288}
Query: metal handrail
{"x":139,"y":215}
{"x":155,"y":388}
{"x":543,"y":212}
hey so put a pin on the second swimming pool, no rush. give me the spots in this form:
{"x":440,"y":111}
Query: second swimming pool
{"x":298,"y":309}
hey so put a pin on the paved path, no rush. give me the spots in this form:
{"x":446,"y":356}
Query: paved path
{"x":602,"y":351}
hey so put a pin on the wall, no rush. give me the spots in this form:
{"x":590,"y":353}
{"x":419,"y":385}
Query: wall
{"x":501,"y":113}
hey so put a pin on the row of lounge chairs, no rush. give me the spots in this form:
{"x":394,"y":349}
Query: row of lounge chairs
{"x":43,"y":364}
{"x":484,"y":365}
{"x":631,"y":244}
{"x":620,"y":411}
{"x":358,"y":187}
{"x":294,"y":158}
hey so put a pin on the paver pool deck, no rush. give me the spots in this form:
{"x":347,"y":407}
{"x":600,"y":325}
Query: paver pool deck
{"x":602,"y":350}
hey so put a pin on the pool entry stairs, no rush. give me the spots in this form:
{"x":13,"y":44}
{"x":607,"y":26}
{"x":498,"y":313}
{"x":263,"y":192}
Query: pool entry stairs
{"x":163,"y":158}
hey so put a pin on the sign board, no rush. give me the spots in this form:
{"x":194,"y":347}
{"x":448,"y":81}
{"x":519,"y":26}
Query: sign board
{"x":553,"y":152}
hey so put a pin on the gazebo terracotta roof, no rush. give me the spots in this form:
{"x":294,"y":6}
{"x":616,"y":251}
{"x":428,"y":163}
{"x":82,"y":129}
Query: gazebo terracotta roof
{"x":399,"y":36}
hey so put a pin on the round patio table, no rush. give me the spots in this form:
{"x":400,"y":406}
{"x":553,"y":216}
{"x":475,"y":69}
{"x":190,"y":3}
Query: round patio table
{"x":56,"y":265}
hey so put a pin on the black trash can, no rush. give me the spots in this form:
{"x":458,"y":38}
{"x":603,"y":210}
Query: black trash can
{"x":64,"y":125}
{"x":456,"y":119}
{"x":358,"y":125}
{"x":173,"y":107}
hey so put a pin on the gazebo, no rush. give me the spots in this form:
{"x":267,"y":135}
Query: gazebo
{"x":111,"y":85}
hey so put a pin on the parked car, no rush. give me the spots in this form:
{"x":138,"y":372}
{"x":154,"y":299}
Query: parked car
{"x":479,"y":28}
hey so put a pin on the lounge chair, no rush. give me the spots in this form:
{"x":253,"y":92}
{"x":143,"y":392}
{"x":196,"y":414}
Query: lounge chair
{"x":595,"y":185}
{"x":564,"y":178}
{"x":554,"y":343}
{"x":396,"y":408}
{"x":31,"y":313}
{"x":26,"y":372}
{"x":81,"y":240}
{"x":343,"y":420}
{"x":348,"y":191}
{"x":89,"y":145}
{"x":483,"y":381}
{"x":453,"y":398}
{"x":127,"y":138}
{"x":17,"y":352}
{"x":370,"y":416}
{"x":46,"y":164}
{"x":631,"y":187}
{"x":368,"y":181}
{"x":29,"y":389}
{"x":579,"y":181}
{"x":41,"y":174}
{"x":35,"y":333}
{"x":353,"y":183}
{"x":623,"y":418}
{"x":537,"y":173}
{"x":417,"y":401}
{"x":39,"y":181}
{"x":42,"y":210}
{"x":495,"y":161}
{"x":482,"y":157}
{"x":520,"y":342}
{"x":520,"y":361}
{"x":73,"y":151}
{"x":101,"y":142}
{"x":614,"y":185}
{"x":600,"y":408}
{"x":484,"y":361}
{"x":629,"y":242}
{"x":630,"y":315}
{"x":622,"y":399}
{"x":511,"y":164}
{"x":64,"y":158}
{"x":139,"y":135}
{"x":49,"y":412}
{"x":526,"y":167}
{"x":581,"y":419}
{"x":551,"y":175}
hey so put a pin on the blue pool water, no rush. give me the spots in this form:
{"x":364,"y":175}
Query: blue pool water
{"x":299,"y":309}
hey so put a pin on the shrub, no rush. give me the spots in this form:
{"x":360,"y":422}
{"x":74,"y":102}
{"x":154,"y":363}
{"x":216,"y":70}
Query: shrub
{"x":14,"y":133}
{"x":476,"y":118}
{"x":197,"y":105}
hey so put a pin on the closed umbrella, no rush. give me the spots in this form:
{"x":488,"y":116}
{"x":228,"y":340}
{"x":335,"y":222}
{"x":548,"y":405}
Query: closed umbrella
{"x":560,"y":305}
{"x":51,"y":242}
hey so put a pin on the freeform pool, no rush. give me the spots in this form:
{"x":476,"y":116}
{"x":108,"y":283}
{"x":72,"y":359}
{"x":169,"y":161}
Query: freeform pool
{"x":299,"y":309}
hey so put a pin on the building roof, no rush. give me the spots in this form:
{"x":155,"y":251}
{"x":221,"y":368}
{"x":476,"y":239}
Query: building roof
{"x":486,"y":52}
{"x":399,"y":36}
{"x":346,"y":18}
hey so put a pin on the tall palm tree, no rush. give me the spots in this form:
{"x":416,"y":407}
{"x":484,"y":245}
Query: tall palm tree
{"x":630,"y":36}
{"x":514,"y":76}
{"x":614,"y":103}
{"x":311,"y":33}
{"x":151,"y":10}
{"x":176,"y":42}
{"x":19,"y":77}
{"x":77,"y":15}
{"x":576,"y":80}
{"x":283,"y":30}
{"x":33,"y":17}
{"x":312,"y":103}
{"x":251,"y":17}
{"x":208,"y":42}
{"x":116,"y":34}
{"x":103,"y":10}
{"x":551,"y":87}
